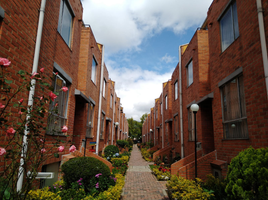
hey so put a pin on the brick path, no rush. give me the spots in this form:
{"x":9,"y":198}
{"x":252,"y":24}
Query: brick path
{"x":140,"y":183}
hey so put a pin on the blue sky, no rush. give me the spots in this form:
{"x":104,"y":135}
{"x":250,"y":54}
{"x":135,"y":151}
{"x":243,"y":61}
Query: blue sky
{"x":141,"y":39}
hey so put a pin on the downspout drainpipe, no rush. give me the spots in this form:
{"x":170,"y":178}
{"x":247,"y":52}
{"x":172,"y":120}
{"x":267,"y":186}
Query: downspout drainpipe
{"x":113,"y":117}
{"x":118,"y":129}
{"x":100,"y":102}
{"x":32,"y":90}
{"x":162,"y":108}
{"x":263,"y":42}
{"x":154,"y":125}
{"x":181,"y":117}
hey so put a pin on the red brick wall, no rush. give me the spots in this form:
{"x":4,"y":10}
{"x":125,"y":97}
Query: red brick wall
{"x":203,"y":167}
{"x":244,"y":52}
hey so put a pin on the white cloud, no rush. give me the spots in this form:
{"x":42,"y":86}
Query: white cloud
{"x":123,"y":24}
{"x":137,"y":88}
{"x":168,"y":59}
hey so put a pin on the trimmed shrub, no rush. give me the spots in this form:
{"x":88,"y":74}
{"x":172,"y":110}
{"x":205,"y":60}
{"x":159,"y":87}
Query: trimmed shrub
{"x":130,"y":142}
{"x":122,"y":143}
{"x":110,"y":150}
{"x":247,"y":176}
{"x":85,"y":168}
{"x":181,"y":188}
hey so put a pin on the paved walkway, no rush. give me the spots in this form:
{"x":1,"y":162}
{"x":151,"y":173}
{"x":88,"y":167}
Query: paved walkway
{"x":140,"y":183}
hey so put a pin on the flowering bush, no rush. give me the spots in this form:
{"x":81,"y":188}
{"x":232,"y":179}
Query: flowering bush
{"x":146,"y":155}
{"x":162,"y":173}
{"x":43,"y":194}
{"x":110,"y":151}
{"x":181,"y":188}
{"x":23,"y":127}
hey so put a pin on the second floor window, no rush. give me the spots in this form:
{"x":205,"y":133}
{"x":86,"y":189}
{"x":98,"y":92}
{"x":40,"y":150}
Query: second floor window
{"x":229,"y":26}
{"x":111,"y":101}
{"x":104,"y":88}
{"x":190,"y":76}
{"x":65,"y":22}
{"x":191,"y":125}
{"x":166,"y":100}
{"x":176,"y":90}
{"x":90,"y":117}
{"x":93,"y":70}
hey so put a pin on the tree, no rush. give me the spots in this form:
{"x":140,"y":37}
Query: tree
{"x":134,"y":128}
{"x":143,"y":117}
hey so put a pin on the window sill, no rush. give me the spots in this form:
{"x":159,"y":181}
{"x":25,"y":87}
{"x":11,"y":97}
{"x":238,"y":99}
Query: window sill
{"x":227,"y":139}
{"x":56,"y":135}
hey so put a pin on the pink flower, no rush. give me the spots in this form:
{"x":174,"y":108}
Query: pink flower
{"x":97,"y":185}
{"x":56,"y":104}
{"x":1,"y":105}
{"x":5,"y":62}
{"x":97,"y":175}
{"x":40,"y":98}
{"x":64,"y":129}
{"x":41,"y":140}
{"x":21,"y":100}
{"x":64,"y":89}
{"x":42,"y":70}
{"x":43,"y":150}
{"x":2,"y":151}
{"x":61,"y":148}
{"x":10,"y":131}
{"x":20,"y":113}
{"x":56,"y":73}
{"x":34,"y":74}
{"x":52,"y":96}
{"x":72,"y":149}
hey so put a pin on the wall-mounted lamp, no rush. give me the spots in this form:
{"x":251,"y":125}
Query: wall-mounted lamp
{"x":116,"y":124}
{"x":151,"y":130}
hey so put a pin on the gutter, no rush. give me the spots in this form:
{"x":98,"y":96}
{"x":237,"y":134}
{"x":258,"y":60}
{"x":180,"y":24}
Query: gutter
{"x":263,"y":41}
{"x":113,"y":115}
{"x":100,"y":102}
{"x":32,"y":90}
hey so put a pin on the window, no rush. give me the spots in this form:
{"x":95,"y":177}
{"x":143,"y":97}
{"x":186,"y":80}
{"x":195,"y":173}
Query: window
{"x":65,"y":21}
{"x":176,"y":128}
{"x":58,"y":115}
{"x":234,"y":109}
{"x":191,"y":125}
{"x":104,"y":87}
{"x":161,"y":108}
{"x":156,"y":113}
{"x":93,"y":71}
{"x":190,"y":79}
{"x":90,"y":117}
{"x":166,"y":102}
{"x":176,"y":90}
{"x":111,"y":101}
{"x":102,"y":125}
{"x":229,"y":26}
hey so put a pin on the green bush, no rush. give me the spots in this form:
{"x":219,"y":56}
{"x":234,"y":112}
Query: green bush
{"x":130,"y":142}
{"x":247,"y":176}
{"x":122,"y":143}
{"x":217,"y":186}
{"x":110,"y":150}
{"x":181,"y":188}
{"x":85,"y":168}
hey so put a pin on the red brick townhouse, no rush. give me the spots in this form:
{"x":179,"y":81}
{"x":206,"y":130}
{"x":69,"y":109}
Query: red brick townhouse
{"x":51,"y":35}
{"x":231,"y":90}
{"x":223,"y":69}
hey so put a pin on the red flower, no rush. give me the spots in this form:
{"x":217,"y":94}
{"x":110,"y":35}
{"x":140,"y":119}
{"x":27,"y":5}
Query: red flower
{"x":52,"y":96}
{"x":10,"y":131}
{"x":42,"y":70}
{"x":5,"y":62}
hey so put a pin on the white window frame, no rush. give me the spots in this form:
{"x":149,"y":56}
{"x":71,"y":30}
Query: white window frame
{"x":229,"y":26}
{"x":190,"y":73}
{"x":65,"y":10}
{"x":94,"y":70}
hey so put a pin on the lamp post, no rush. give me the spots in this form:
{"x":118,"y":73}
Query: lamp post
{"x":195,"y":108}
